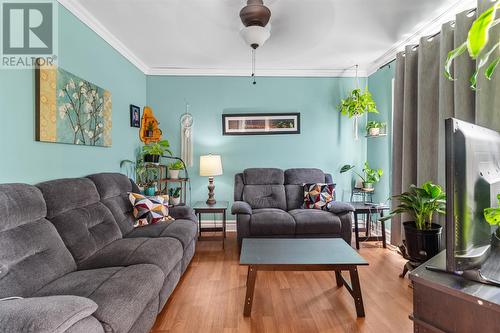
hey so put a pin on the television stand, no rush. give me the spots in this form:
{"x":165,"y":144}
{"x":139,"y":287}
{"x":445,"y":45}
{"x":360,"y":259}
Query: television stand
{"x":444,"y":302}
{"x":471,"y":275}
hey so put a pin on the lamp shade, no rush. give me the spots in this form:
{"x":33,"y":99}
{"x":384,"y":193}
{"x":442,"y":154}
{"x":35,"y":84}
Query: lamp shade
{"x":255,"y":35}
{"x":210,"y":165}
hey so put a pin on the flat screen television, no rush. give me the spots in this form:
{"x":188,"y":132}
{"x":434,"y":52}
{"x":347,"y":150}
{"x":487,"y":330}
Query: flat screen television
{"x":472,"y":183}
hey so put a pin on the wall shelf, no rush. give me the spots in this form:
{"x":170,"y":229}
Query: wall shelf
{"x":375,"y":136}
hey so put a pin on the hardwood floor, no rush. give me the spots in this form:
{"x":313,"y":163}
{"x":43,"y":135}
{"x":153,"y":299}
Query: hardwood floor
{"x":211,"y":294}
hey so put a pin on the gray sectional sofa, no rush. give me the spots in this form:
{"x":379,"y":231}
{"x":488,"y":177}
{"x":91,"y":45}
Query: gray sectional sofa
{"x":268,"y":203}
{"x":68,"y":248}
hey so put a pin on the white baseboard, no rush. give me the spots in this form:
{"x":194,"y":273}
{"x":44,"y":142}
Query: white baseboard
{"x":230,"y":224}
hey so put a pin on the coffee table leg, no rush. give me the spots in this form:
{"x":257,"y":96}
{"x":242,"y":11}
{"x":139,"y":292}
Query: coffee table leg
{"x":356,"y":292}
{"x":338,"y":278}
{"x":252,"y":275}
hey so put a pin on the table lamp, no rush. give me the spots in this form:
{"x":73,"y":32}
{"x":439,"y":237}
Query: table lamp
{"x":210,"y":166}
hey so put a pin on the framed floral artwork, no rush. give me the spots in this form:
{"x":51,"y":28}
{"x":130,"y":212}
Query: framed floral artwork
{"x":70,"y":109}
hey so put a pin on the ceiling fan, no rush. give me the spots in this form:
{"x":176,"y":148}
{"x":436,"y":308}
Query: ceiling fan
{"x":255,"y":17}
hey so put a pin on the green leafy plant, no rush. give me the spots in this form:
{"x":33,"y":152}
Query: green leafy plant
{"x":357,"y":103}
{"x":177,"y":165}
{"x":421,"y":203}
{"x":144,"y":176}
{"x":374,"y":124}
{"x":370,"y":176}
{"x":492,"y":216}
{"x":175,"y":192}
{"x":157,"y":148}
{"x":476,"y":46}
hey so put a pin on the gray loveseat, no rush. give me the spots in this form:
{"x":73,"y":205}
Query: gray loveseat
{"x":268,"y":203}
{"x":68,"y":248}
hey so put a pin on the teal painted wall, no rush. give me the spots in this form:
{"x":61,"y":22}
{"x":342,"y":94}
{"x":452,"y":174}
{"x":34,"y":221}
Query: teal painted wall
{"x":326,"y":139}
{"x":85,"y":54}
{"x":379,"y":149}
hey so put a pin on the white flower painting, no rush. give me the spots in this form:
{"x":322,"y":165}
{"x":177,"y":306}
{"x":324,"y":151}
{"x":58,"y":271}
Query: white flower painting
{"x":82,"y":112}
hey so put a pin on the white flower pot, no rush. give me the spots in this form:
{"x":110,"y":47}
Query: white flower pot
{"x":374,"y":131}
{"x":175,"y":201}
{"x":174,"y":174}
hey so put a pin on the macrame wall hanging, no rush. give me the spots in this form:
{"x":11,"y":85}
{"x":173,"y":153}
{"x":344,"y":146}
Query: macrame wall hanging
{"x":187,"y":137}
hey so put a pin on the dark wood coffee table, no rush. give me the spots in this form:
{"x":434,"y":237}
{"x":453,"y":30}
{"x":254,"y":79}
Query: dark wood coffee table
{"x":316,"y":254}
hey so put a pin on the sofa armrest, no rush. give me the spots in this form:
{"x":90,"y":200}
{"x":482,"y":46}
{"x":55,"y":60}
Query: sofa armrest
{"x":337,"y":207}
{"x":182,"y":212}
{"x":241,"y":207}
{"x":44,"y":314}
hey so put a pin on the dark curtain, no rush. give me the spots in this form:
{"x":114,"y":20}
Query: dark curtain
{"x":424,"y":98}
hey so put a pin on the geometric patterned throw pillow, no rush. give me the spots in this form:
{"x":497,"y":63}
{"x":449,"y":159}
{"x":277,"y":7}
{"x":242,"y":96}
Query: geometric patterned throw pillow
{"x":317,"y":196}
{"x":149,"y":210}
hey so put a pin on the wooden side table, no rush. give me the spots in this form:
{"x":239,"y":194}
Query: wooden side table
{"x":368,"y":209}
{"x":201,"y":207}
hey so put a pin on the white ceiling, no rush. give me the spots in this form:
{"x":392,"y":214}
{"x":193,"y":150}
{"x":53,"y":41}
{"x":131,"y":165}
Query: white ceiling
{"x":308,"y":37}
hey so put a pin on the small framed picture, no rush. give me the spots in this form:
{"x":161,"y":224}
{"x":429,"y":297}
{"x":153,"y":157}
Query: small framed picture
{"x":261,"y":123}
{"x":135,"y":116}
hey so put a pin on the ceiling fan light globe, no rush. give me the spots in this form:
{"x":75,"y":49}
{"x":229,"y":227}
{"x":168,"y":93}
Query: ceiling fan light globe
{"x":255,"y":35}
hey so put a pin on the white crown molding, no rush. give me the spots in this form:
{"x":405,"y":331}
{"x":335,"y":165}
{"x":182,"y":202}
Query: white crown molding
{"x":88,"y":19}
{"x":259,"y":72}
{"x":424,"y":29}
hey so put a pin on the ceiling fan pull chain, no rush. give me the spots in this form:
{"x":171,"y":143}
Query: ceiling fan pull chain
{"x":253,"y":66}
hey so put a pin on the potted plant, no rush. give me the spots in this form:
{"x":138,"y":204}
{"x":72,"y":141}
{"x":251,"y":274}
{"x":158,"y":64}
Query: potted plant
{"x":423,"y":237}
{"x":174,"y":168}
{"x":150,"y":189}
{"x":150,"y":129}
{"x":374,"y":128}
{"x":153,"y":151}
{"x":357,"y":104}
{"x":478,"y":47}
{"x":492,"y":216}
{"x":175,"y":196}
{"x":371,"y":176}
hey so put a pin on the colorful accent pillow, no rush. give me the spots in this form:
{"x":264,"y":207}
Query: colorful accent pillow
{"x":317,"y":196}
{"x":149,"y":210}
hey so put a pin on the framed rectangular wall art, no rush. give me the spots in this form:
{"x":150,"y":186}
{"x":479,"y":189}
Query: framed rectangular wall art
{"x":70,"y":109}
{"x":261,"y":123}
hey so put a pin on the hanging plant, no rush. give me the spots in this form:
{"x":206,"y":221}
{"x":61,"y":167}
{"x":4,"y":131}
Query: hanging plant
{"x":476,"y":43}
{"x":357,"y":103}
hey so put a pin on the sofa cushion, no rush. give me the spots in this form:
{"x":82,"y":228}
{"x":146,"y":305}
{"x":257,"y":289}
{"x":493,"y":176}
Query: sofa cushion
{"x":315,"y":221}
{"x":294,"y":196}
{"x":265,"y":196}
{"x":263,"y":176}
{"x":113,"y":189}
{"x":121,"y":293}
{"x":31,"y":252}
{"x":53,"y":314}
{"x":84,"y":223}
{"x":163,"y":252}
{"x":182,"y":230}
{"x":271,"y":221}
{"x":300,"y":176}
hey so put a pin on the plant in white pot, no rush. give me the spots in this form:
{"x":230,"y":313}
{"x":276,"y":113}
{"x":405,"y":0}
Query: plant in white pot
{"x":423,"y":237}
{"x":374,"y":128}
{"x":175,"y":196}
{"x":174,"y":168}
{"x":492,"y":216}
{"x":369,"y":178}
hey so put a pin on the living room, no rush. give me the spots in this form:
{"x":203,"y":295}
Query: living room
{"x":250,"y":166}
